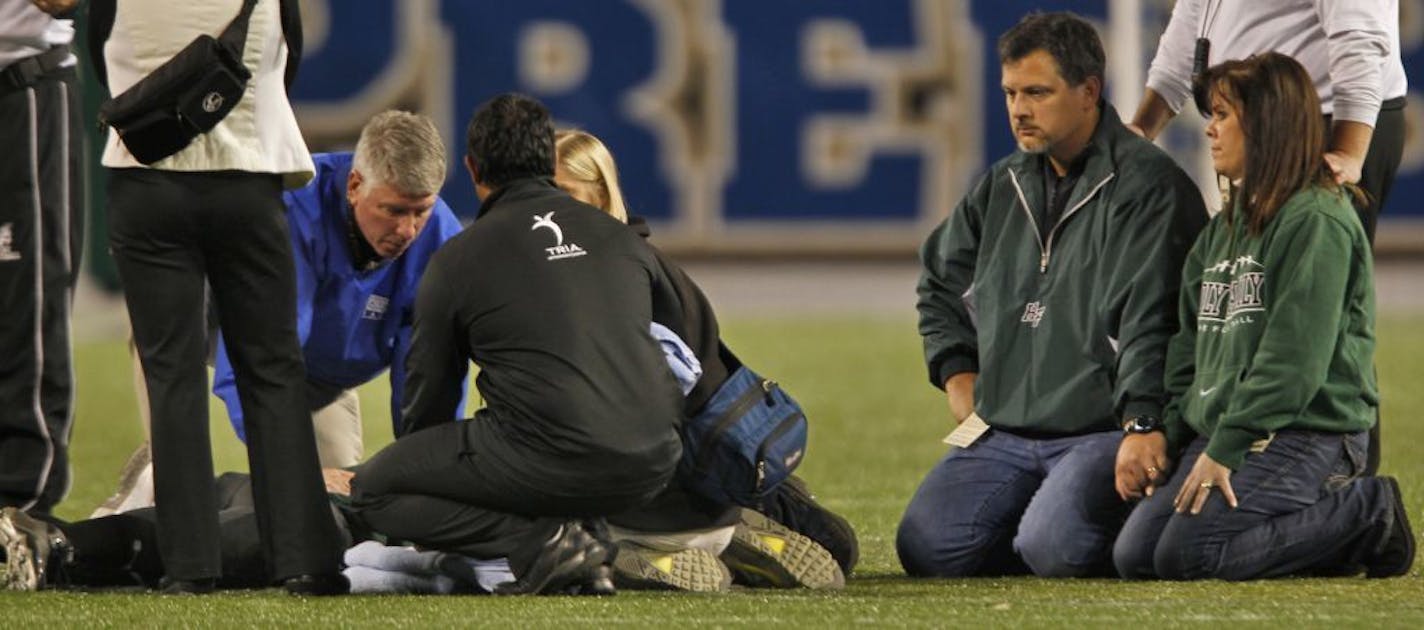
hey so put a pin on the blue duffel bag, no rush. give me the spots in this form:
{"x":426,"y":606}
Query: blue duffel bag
{"x":747,"y":439}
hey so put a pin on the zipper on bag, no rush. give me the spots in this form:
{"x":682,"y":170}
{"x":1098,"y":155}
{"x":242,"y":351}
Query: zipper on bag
{"x":735,"y":412}
{"x":781,"y":429}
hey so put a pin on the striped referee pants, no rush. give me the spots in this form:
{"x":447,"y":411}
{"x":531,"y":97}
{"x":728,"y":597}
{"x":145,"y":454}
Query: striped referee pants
{"x":41,"y":213}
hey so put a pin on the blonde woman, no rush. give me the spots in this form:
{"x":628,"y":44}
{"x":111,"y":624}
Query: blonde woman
{"x":585,"y":169}
{"x":792,"y":541}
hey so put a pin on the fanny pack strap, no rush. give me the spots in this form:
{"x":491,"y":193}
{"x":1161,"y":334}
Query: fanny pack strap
{"x":234,"y":37}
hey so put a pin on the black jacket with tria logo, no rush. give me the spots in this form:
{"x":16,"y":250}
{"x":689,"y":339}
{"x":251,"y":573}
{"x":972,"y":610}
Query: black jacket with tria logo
{"x":1066,"y":324}
{"x":553,"y":300}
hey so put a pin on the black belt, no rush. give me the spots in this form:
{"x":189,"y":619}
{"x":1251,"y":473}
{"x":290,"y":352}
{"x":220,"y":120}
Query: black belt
{"x":30,"y":70}
{"x":1032,"y":434}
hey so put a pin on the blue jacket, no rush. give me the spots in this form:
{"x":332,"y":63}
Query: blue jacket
{"x":352,"y":324}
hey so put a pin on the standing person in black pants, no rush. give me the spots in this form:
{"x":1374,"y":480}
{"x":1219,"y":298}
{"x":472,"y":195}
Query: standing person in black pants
{"x":553,"y":299}
{"x":41,"y":228}
{"x":213,"y":213}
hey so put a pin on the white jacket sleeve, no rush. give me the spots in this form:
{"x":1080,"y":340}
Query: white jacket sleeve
{"x":1359,"y":45}
{"x":1170,"y":74}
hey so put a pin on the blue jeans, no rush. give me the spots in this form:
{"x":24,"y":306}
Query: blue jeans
{"x":1008,"y":504}
{"x":1300,"y":510}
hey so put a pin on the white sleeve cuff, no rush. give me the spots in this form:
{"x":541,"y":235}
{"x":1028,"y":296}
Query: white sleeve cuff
{"x":1175,"y":93}
{"x":1360,"y":112}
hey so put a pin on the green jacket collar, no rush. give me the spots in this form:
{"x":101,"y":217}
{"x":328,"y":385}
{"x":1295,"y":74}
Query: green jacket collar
{"x":1101,"y":162}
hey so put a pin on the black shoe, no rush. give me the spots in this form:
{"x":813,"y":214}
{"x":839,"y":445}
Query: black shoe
{"x":598,"y":528}
{"x":317,"y":584}
{"x":598,"y":582}
{"x":793,"y":505}
{"x":459,"y":568}
{"x":600,"y":578}
{"x":1394,"y":555}
{"x":569,"y":561}
{"x":32,"y":547}
{"x":187,"y":587}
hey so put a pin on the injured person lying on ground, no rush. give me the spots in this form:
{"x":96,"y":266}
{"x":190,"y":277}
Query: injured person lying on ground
{"x":120,"y":551}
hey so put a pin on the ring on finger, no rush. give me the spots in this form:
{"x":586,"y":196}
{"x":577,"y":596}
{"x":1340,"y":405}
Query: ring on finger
{"x":1207,"y":485}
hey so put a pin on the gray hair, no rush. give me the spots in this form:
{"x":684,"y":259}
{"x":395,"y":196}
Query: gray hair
{"x":403,"y":150}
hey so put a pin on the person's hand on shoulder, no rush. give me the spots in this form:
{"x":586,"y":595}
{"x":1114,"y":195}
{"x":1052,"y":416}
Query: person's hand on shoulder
{"x":1346,"y":168}
{"x":1345,"y":154}
{"x":55,"y":7}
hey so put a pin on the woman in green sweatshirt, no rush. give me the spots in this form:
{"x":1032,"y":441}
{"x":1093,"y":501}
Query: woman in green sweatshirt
{"x":1272,"y":389}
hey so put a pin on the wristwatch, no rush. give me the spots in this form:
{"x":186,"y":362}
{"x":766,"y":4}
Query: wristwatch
{"x":1142,"y":424}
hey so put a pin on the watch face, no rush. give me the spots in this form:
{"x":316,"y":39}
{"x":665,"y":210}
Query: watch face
{"x":1144,"y":424}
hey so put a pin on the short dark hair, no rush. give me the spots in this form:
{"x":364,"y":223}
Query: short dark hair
{"x":511,"y":137}
{"x":1069,"y":39}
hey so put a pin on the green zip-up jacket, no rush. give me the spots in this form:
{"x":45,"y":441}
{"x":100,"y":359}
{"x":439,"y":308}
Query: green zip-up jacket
{"x":1067,"y":325}
{"x":1277,"y":330}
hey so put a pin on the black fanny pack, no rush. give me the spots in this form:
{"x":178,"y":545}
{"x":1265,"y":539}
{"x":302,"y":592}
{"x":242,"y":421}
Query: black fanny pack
{"x":185,"y":97}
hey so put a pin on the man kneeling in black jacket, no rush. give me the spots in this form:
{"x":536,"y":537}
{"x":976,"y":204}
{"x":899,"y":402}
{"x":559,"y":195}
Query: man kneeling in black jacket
{"x":553,"y":301}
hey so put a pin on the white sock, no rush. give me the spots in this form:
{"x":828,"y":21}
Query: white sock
{"x":374,"y":555}
{"x":407,"y":560}
{"x":368,"y":580}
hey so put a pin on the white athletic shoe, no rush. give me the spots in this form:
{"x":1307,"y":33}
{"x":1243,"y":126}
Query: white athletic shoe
{"x":135,"y":485}
{"x":28,"y":543}
{"x":765,"y":553}
{"x":696,"y":570}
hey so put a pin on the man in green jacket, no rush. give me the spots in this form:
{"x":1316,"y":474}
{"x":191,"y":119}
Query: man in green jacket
{"x":1046,"y":304}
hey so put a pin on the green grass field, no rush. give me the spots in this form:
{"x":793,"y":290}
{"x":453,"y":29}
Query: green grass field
{"x":876,"y":426}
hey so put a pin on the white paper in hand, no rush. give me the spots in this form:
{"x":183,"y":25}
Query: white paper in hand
{"x":967,"y":432}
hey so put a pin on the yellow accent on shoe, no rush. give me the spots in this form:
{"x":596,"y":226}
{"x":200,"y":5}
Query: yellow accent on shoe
{"x":694,"y":570}
{"x":765,"y":553}
{"x":775,"y":543}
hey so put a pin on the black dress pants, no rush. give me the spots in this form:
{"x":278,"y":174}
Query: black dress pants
{"x":1382,"y":162}
{"x":41,"y":231}
{"x":1376,"y":178}
{"x":169,"y":232}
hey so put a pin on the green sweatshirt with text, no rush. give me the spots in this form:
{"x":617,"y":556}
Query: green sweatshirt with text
{"x":1277,"y":330}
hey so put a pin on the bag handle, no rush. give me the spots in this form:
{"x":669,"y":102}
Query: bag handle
{"x":234,"y":37}
{"x":292,"y":32}
{"x":101,"y":23}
